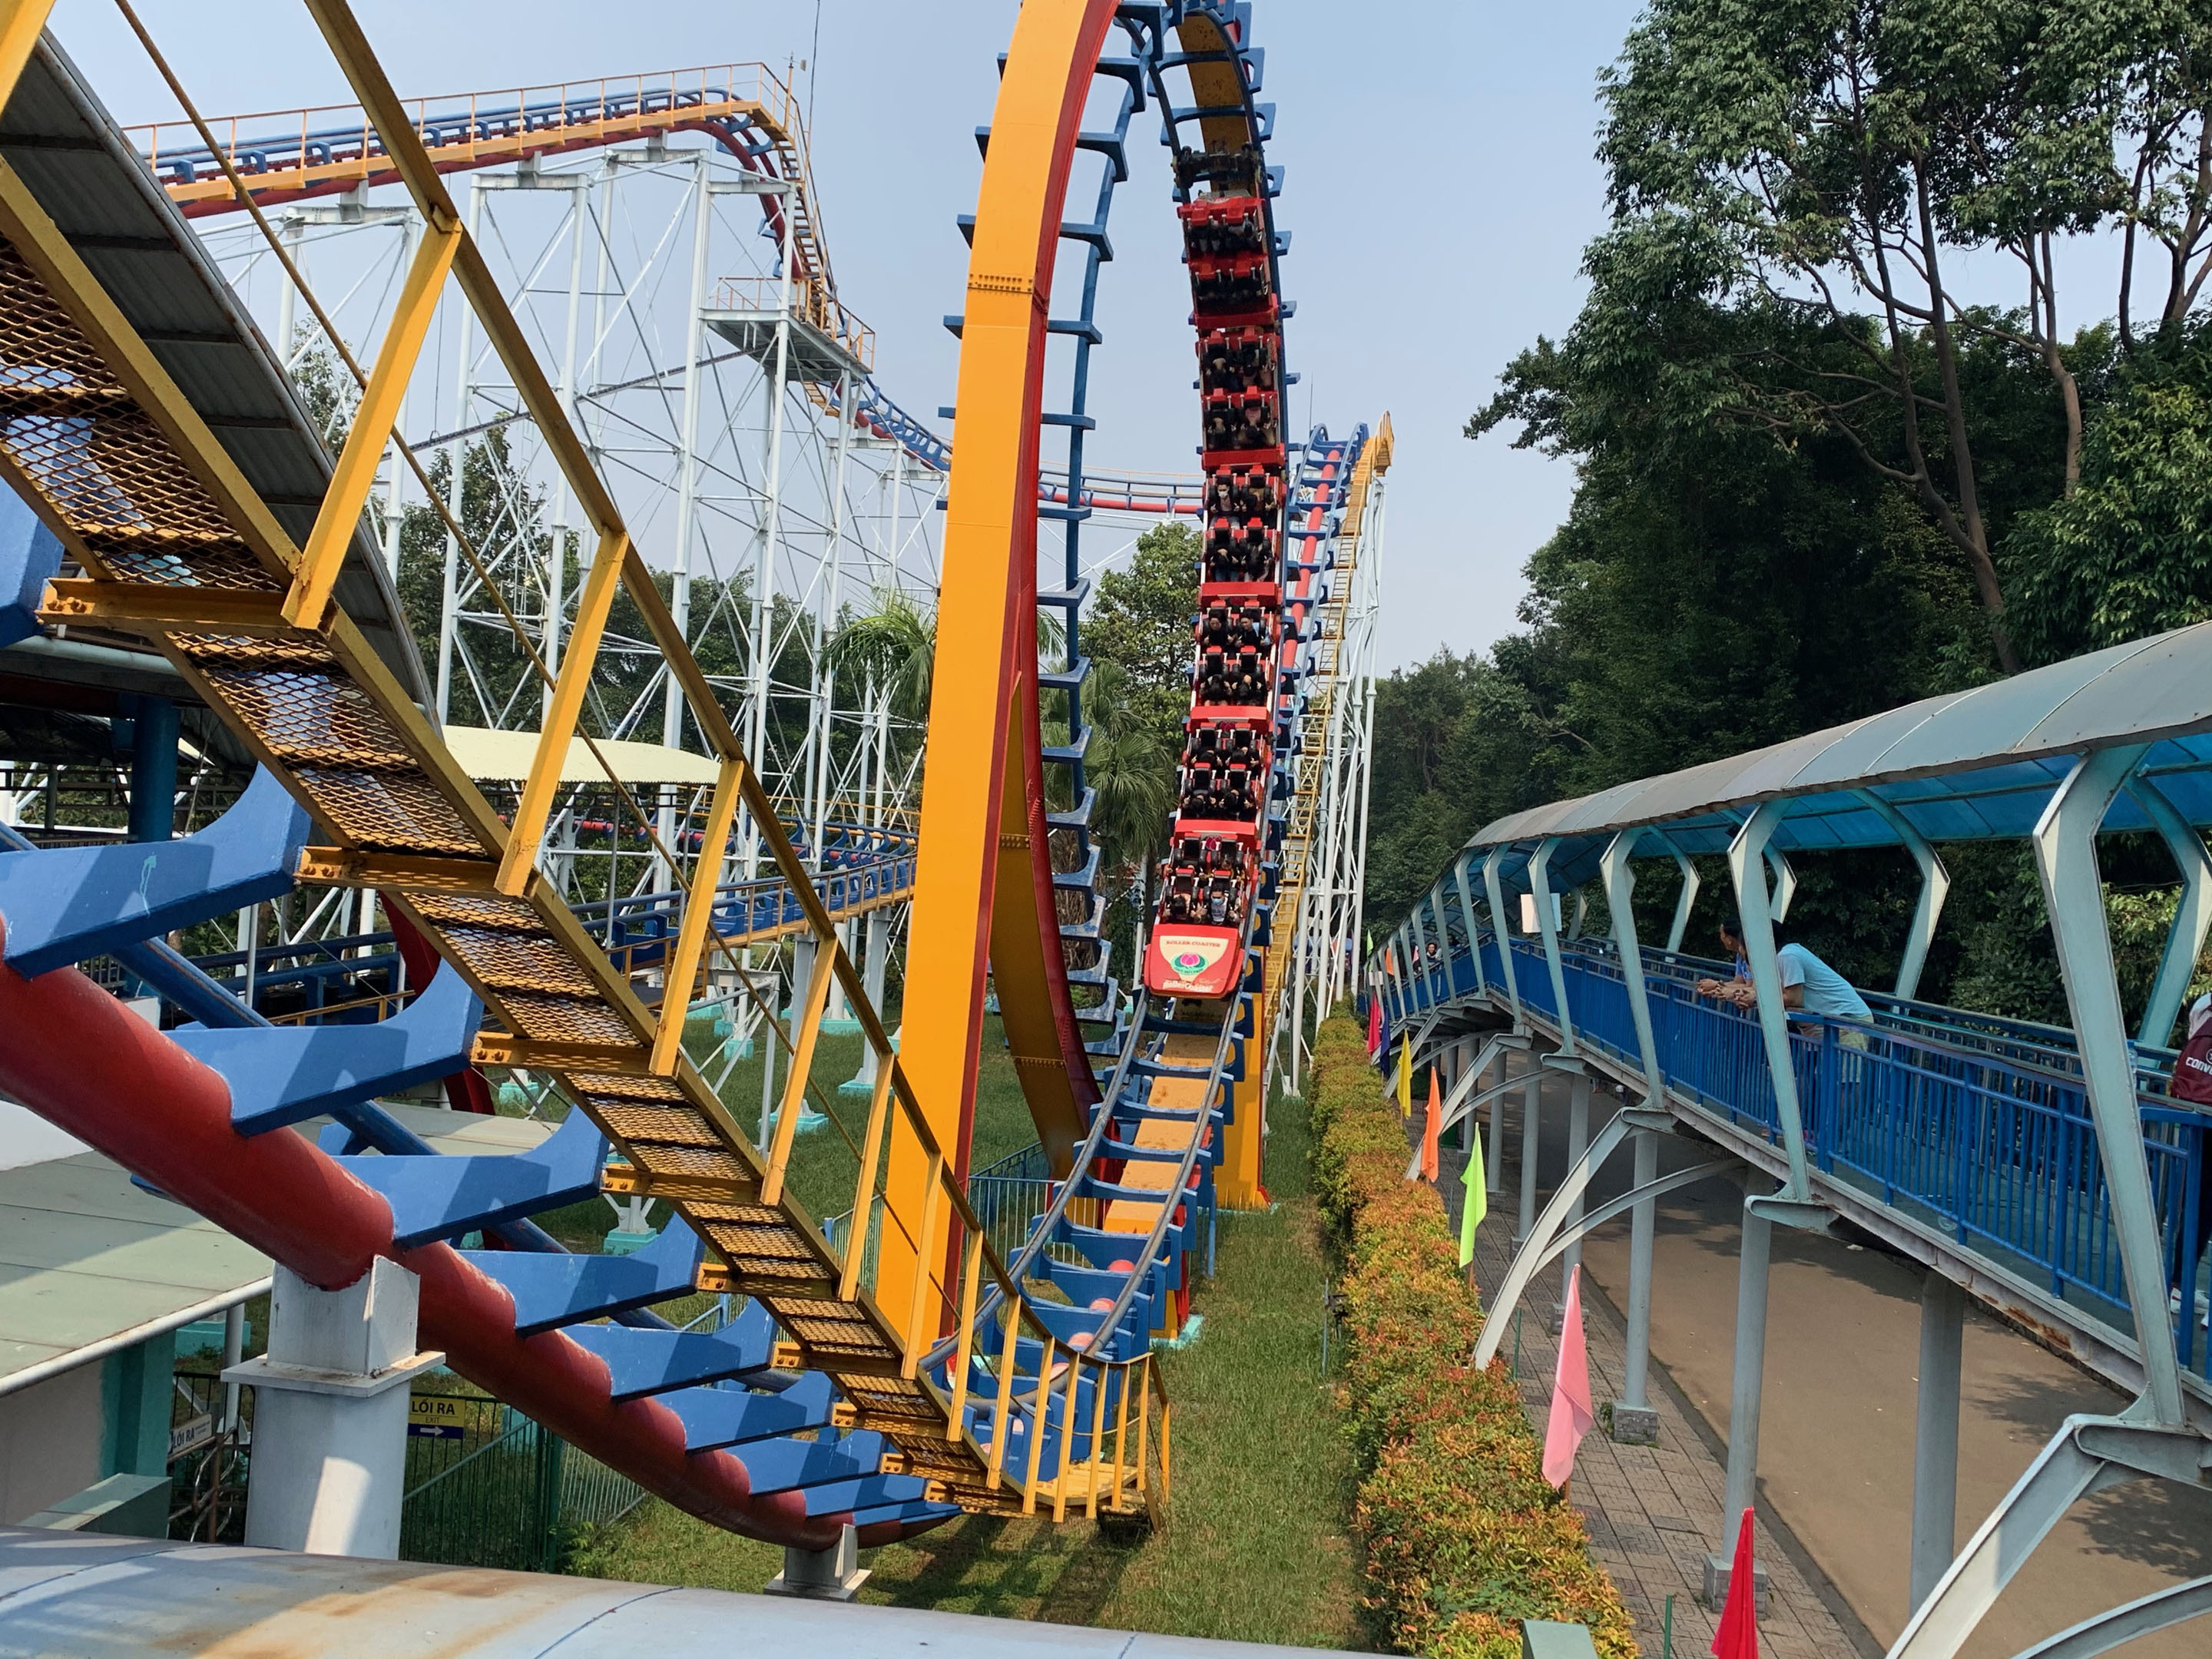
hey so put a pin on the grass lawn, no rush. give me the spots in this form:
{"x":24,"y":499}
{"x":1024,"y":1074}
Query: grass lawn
{"x":1255,"y":1545}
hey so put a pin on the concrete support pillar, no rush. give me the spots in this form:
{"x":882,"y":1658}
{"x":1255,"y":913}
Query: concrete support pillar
{"x":329,"y":1415}
{"x":1743,"y":1405}
{"x":1531,"y":1094}
{"x":1634,"y":1422}
{"x":1936,"y":1434}
{"x":830,"y":1575}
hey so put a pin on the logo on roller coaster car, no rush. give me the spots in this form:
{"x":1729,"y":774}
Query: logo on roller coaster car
{"x":1188,"y":957}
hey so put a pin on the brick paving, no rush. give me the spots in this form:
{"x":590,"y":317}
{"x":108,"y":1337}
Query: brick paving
{"x":1653,"y":1512}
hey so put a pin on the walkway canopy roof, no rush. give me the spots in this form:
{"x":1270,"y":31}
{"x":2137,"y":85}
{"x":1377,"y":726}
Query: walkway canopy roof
{"x":1971,"y":766}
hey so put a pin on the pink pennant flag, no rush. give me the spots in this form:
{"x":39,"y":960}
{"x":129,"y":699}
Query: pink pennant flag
{"x":1572,"y":1416}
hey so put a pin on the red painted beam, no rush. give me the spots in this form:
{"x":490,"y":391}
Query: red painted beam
{"x":82,"y":1060}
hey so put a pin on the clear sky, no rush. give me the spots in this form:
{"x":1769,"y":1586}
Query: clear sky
{"x":1440,"y":189}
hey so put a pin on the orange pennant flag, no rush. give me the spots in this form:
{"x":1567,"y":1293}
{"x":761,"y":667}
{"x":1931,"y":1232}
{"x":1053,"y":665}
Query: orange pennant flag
{"x":1431,"y":1130}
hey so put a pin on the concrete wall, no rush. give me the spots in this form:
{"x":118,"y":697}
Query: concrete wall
{"x":52,"y":1437}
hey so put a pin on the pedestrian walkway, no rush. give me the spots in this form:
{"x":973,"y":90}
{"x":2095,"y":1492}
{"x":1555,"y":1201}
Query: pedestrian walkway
{"x":1653,"y":1512}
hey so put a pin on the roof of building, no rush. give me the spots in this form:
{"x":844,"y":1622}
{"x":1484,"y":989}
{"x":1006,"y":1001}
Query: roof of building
{"x":89,"y":1262}
{"x":1968,"y":766}
{"x":507,"y":757}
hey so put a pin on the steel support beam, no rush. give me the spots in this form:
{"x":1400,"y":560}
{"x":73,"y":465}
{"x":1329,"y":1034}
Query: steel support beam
{"x":1683,"y":901}
{"x":1547,"y":924}
{"x":1745,"y":1391}
{"x":2192,"y":915}
{"x":1936,"y":1434}
{"x":1556,"y":1224}
{"x":1928,"y":909}
{"x":1491,"y":890}
{"x":2065,"y":841}
{"x":1745,"y":855}
{"x":2154,"y":1611}
{"x":1473,"y":931}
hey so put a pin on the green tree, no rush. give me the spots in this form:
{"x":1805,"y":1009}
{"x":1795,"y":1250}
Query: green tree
{"x":1141,"y":621}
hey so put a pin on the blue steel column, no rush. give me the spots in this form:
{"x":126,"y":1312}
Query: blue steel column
{"x":1687,"y":897}
{"x":1547,"y":925}
{"x":153,"y":769}
{"x":1744,"y":857}
{"x":1935,"y":1435}
{"x":1744,"y":1393}
{"x":2192,"y":915}
{"x":1473,"y":931}
{"x":1632,"y":1419}
{"x":1497,"y":929}
{"x":2065,"y":843}
{"x":1934,"y":887}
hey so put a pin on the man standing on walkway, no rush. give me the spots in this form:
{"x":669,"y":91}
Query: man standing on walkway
{"x":1809,"y":986}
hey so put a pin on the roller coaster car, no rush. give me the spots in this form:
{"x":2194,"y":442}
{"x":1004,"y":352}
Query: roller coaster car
{"x":1249,"y":490}
{"x":1229,"y":679}
{"x":1237,"y":359}
{"x":1241,"y":552}
{"x":1217,"y":225}
{"x":1197,"y":947}
{"x":1238,"y":285}
{"x":1229,"y":173}
{"x":1224,"y":776}
{"x":1240,"y":419}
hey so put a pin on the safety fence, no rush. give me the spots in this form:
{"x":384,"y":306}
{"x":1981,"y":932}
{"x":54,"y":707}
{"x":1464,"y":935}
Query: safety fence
{"x":1977,"y":1127}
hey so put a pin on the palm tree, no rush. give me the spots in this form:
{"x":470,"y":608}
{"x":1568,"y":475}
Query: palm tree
{"x":894,"y":646}
{"x":1132,"y":765}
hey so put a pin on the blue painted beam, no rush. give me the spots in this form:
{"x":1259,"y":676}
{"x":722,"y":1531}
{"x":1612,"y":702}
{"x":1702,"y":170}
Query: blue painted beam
{"x":714,"y":1418}
{"x":874,"y":1497}
{"x":434,"y":1198}
{"x":280,"y":1075}
{"x":791,"y":1465}
{"x":30,"y":557}
{"x":65,"y":904}
{"x":553,"y":1291}
{"x":641,"y":1362}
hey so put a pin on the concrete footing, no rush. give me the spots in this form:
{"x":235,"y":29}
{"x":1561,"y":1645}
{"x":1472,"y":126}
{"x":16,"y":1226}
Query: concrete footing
{"x":329,"y":1415}
{"x":830,"y":1575}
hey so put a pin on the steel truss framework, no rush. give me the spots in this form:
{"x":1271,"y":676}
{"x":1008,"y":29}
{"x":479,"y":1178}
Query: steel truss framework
{"x":950,"y":1385}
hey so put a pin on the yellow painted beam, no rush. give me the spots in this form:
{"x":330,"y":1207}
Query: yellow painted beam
{"x":698,"y":916}
{"x":989,"y":565}
{"x":350,"y":481}
{"x":21,"y":22}
{"x":528,"y":834}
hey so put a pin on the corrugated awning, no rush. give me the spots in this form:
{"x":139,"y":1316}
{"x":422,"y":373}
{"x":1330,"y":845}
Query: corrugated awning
{"x":1973,"y":765}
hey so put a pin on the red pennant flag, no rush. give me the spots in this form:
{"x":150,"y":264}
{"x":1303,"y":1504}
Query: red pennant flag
{"x":1572,"y":1416}
{"x":1374,"y":1023}
{"x":1737,"y":1637}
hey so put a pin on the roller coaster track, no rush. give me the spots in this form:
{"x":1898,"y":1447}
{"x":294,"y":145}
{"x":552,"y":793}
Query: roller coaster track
{"x":1333,"y":506}
{"x":947,"y":1384}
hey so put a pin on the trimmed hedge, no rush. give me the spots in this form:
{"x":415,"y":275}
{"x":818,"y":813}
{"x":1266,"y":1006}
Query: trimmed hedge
{"x":1464,"y":1538}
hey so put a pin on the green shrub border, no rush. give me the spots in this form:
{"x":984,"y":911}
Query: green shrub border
{"x":1464,"y":1537}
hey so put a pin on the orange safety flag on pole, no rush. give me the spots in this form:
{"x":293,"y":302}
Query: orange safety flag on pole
{"x":1572,"y":1416}
{"x":1737,"y":1635}
{"x":1431,"y":1128}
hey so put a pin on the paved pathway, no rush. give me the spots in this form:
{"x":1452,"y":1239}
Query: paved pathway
{"x":1653,"y":1510}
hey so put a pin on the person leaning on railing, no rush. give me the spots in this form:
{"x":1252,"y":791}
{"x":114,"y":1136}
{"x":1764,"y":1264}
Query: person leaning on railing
{"x":2190,"y":1086}
{"x":1809,"y":986}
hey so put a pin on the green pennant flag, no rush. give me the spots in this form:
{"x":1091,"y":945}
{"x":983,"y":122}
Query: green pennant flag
{"x":1476,"y":1204}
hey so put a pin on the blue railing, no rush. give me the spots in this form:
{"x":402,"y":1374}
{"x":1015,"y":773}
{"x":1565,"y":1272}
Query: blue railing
{"x":1971,"y":1124}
